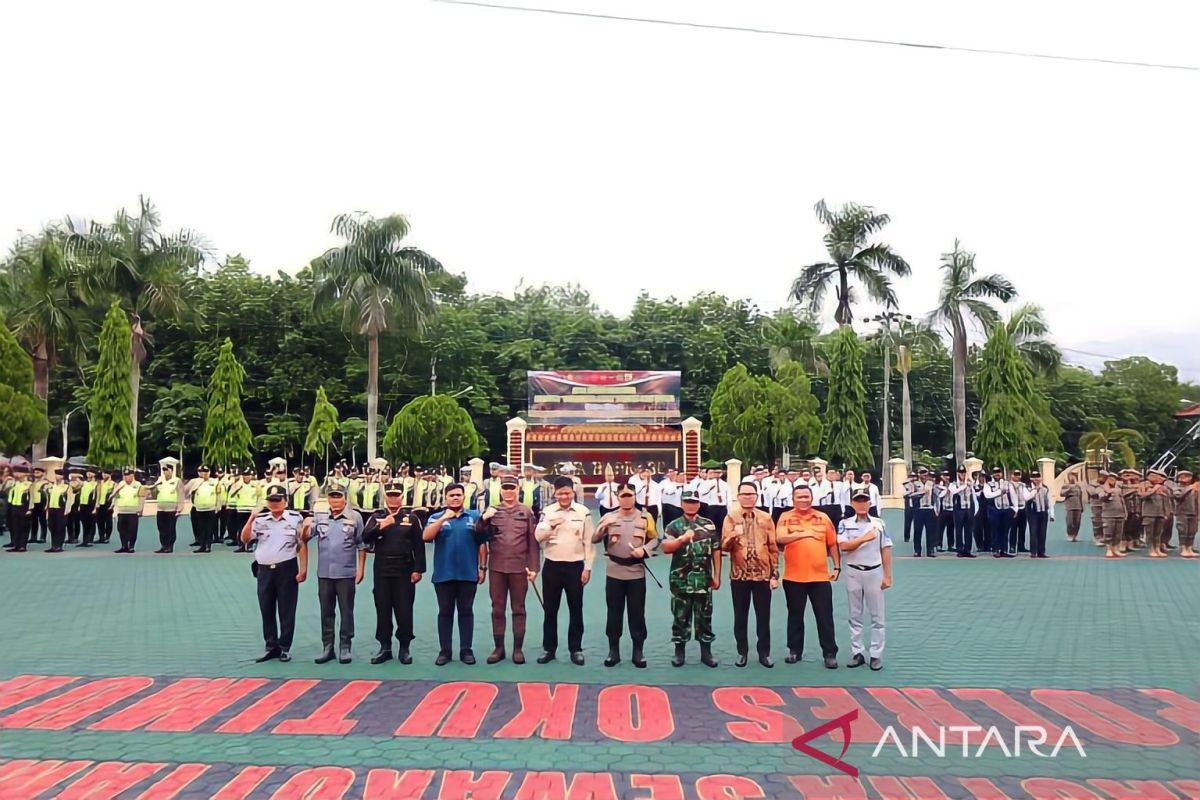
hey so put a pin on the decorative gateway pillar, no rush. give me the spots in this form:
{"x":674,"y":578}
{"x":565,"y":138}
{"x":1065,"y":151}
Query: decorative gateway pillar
{"x":515,"y":454}
{"x":898,"y":471}
{"x":476,"y":465}
{"x":733,"y":476}
{"x":691,"y":446}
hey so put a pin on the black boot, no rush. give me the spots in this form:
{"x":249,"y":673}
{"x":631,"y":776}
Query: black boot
{"x":679,"y":659}
{"x":498,"y":654}
{"x":614,"y":654}
{"x":326,"y":655}
{"x":382,"y":656}
{"x":706,"y":656}
{"x":638,"y":659}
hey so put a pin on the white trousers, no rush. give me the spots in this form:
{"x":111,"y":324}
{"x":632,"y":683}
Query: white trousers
{"x":864,"y":589}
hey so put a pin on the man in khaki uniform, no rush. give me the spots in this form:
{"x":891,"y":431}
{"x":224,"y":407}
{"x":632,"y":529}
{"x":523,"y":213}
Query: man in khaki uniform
{"x":1154,"y":496}
{"x":1187,"y":510}
{"x":1096,"y":503}
{"x":1072,"y":495}
{"x":1130,"y":482}
{"x":1112,"y":498}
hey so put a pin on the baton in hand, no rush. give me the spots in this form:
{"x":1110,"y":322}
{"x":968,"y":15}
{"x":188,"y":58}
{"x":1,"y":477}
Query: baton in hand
{"x":538,"y":593}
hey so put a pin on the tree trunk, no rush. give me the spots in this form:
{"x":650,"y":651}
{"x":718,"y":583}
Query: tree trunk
{"x":138,"y":349}
{"x":372,"y":394}
{"x":960,"y":394}
{"x":844,"y":315}
{"x":906,"y":413}
{"x":41,"y":389}
{"x":885,"y":447}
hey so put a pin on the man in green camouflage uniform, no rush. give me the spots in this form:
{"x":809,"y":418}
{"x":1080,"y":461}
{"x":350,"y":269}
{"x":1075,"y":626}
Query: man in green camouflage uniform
{"x":694,"y":544}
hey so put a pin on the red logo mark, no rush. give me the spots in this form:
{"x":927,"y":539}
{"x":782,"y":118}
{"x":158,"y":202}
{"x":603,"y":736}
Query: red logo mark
{"x":842,"y":722}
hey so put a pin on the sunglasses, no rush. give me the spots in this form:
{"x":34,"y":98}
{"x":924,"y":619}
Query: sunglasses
{"x":625,"y":494}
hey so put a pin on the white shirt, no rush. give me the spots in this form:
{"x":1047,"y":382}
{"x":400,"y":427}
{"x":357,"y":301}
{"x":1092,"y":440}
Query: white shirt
{"x":872,"y":490}
{"x":714,"y":492}
{"x":869,"y":554}
{"x":646,"y":492}
{"x":606,"y":495}
{"x":1003,"y":492}
{"x":669,"y":492}
{"x":822,"y":492}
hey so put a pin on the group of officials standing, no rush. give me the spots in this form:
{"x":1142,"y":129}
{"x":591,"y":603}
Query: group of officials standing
{"x":514,"y":529}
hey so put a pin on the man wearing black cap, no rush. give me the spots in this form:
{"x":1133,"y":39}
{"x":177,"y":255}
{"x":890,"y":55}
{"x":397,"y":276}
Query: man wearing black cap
{"x":962,"y":507}
{"x":341,"y":561}
{"x":85,"y":505}
{"x":629,"y":537}
{"x":926,"y":518}
{"x":280,"y":565}
{"x":202,"y":492}
{"x":1039,"y":511}
{"x":1000,"y":516}
{"x":127,"y":503}
{"x":245,"y":500}
{"x":565,"y":532}
{"x":1187,"y":511}
{"x":512,"y":555}
{"x":1016,"y":536}
{"x":20,"y":505}
{"x":911,"y":489}
{"x":399,"y":561}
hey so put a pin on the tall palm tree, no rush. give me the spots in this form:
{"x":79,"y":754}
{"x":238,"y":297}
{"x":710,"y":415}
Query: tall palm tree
{"x":912,"y":337}
{"x":964,"y":299}
{"x":376,"y":285}
{"x":150,"y":273}
{"x":1106,"y":438}
{"x":1030,"y":332}
{"x":850,"y":256}
{"x":38,"y":295}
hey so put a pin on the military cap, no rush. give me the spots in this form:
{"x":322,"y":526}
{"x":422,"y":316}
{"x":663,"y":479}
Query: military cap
{"x":203,"y":468}
{"x":923,"y":471}
{"x":1157,"y":472}
{"x":248,"y":471}
{"x":394,"y":488}
{"x":125,"y":471}
{"x":689,"y":496}
{"x":860,"y":495}
{"x":466,"y":468}
{"x":495,"y":465}
{"x":566,"y":466}
{"x":1183,"y":472}
{"x":712,"y":464}
{"x":946,"y":473}
{"x":336,"y":490}
{"x":997,"y":469}
{"x":510,"y":480}
{"x":40,"y":468}
{"x":276,"y":491}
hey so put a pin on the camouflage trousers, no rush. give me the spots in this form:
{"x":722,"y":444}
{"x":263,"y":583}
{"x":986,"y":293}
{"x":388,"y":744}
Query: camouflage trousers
{"x":687,"y":609}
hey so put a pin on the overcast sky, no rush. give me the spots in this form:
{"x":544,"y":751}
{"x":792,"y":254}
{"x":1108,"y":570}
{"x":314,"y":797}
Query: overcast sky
{"x":630,"y":156}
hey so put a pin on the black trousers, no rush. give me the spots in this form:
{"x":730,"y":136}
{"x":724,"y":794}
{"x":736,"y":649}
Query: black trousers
{"x":394,"y":597}
{"x":166,"y":529}
{"x":925,"y":529}
{"x":456,"y":596}
{"x":204,"y":528}
{"x":104,"y":524}
{"x":833,"y":512}
{"x":38,"y":526}
{"x":73,"y":526}
{"x":559,"y":578}
{"x":745,"y":592}
{"x":619,"y":595}
{"x":798,"y":595}
{"x":87,"y":519}
{"x":910,"y":519}
{"x":127,"y":529}
{"x":339,"y":593}
{"x":237,"y":521}
{"x":18,"y":527}
{"x":277,"y":595}
{"x":670,"y":513}
{"x":57,"y":520}
{"x":980,"y":527}
{"x":964,"y":521}
{"x":1038,"y":522}
{"x":1016,"y":533}
{"x":945,"y":523}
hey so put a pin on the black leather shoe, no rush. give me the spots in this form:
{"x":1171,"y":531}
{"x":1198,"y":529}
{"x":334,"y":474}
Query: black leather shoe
{"x":85,"y":544}
{"x":466,"y":657}
{"x":381,"y":656}
{"x":344,"y":655}
{"x":267,"y":656}
{"x":638,"y":658}
{"x":791,"y":658}
{"x":930,"y":555}
{"x":706,"y":656}
{"x":876,"y":664}
{"x":614,"y":657}
{"x":968,"y":555}
{"x":856,"y":660}
{"x":830,"y":662}
{"x":577,"y":658}
{"x":680,"y":657}
{"x":443,"y":658}
{"x":766,"y":661}
{"x":326,"y":655}
{"x":742,"y":659}
{"x":546,"y":657}
{"x":404,"y":657}
{"x":161,"y":550}
{"x":285,"y":656}
{"x":54,"y":550}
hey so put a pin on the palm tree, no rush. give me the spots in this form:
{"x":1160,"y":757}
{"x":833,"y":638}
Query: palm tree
{"x":38,"y":294}
{"x":911,"y":337}
{"x":792,"y":336}
{"x":150,"y":273}
{"x":1106,"y":438}
{"x":964,"y":298}
{"x":376,"y":285}
{"x":848,"y":230}
{"x":1028,"y":330}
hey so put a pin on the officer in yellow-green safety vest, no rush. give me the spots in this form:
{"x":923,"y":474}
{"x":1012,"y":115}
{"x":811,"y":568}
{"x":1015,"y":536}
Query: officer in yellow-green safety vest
{"x":470,"y":490}
{"x":85,"y":506}
{"x":369,"y":496}
{"x":245,"y":500}
{"x":127,"y":505}
{"x":302,"y":493}
{"x":20,"y":496}
{"x":489,"y":493}
{"x":204,"y":493}
{"x":528,"y":493}
{"x":106,"y":487}
{"x":58,"y":505}
{"x":168,"y":491}
{"x":75,"y":481}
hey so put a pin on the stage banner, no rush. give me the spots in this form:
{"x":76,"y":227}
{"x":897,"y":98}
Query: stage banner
{"x":573,"y":397}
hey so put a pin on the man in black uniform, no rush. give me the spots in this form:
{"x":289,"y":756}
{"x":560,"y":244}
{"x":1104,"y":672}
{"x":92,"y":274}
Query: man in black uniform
{"x":38,"y":526}
{"x":395,"y":532}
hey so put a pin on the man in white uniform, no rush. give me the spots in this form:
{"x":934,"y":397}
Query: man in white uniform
{"x":867,"y":559}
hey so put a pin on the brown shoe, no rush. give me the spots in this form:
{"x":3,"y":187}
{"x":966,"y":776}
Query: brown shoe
{"x":496,"y":655}
{"x":518,"y":657}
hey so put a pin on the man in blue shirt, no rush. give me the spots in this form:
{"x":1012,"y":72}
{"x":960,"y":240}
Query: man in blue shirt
{"x":457,"y":571}
{"x":341,"y":560}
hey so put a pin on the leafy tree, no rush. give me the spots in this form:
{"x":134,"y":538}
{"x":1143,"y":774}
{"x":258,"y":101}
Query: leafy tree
{"x":24,"y":419}
{"x":1105,"y":438}
{"x":150,"y":273}
{"x":963,"y":298}
{"x":284,"y":434}
{"x":846,"y":441}
{"x":433,"y":429}
{"x":111,"y":440}
{"x":738,"y":417}
{"x":375,"y":283}
{"x":353,"y":432}
{"x":227,"y":438}
{"x":322,"y":426}
{"x":43,"y":308}
{"x":792,"y":420}
{"x":1015,"y":426}
{"x":1155,"y":391}
{"x":175,"y":419}
{"x":1029,"y":331}
{"x":846,"y":239}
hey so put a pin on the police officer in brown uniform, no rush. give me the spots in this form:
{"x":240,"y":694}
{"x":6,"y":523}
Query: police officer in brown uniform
{"x":1096,"y":503}
{"x":1155,"y":497}
{"x":1072,"y":495}
{"x":1187,"y":510}
{"x":1113,"y":515}
{"x":1130,"y":481}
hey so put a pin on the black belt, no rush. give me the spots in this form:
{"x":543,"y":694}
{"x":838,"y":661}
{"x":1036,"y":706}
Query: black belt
{"x":861,"y":568}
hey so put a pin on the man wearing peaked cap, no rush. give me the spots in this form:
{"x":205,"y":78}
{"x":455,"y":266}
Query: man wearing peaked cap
{"x":1096,"y":505}
{"x":866,"y":552}
{"x":1187,"y":511}
{"x":1131,"y":534}
{"x":397,"y":566}
{"x":245,"y":501}
{"x":341,"y":561}
{"x":20,"y":506}
{"x":203,"y":492}
{"x":1155,"y":497}
{"x":512,"y":561}
{"x":127,"y":503}
{"x":280,"y":566}
{"x":167,"y":494}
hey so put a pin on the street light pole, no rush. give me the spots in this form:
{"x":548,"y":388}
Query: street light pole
{"x":65,"y":423}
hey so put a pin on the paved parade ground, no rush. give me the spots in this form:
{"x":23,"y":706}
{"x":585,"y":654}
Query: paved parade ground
{"x":133,"y":676}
